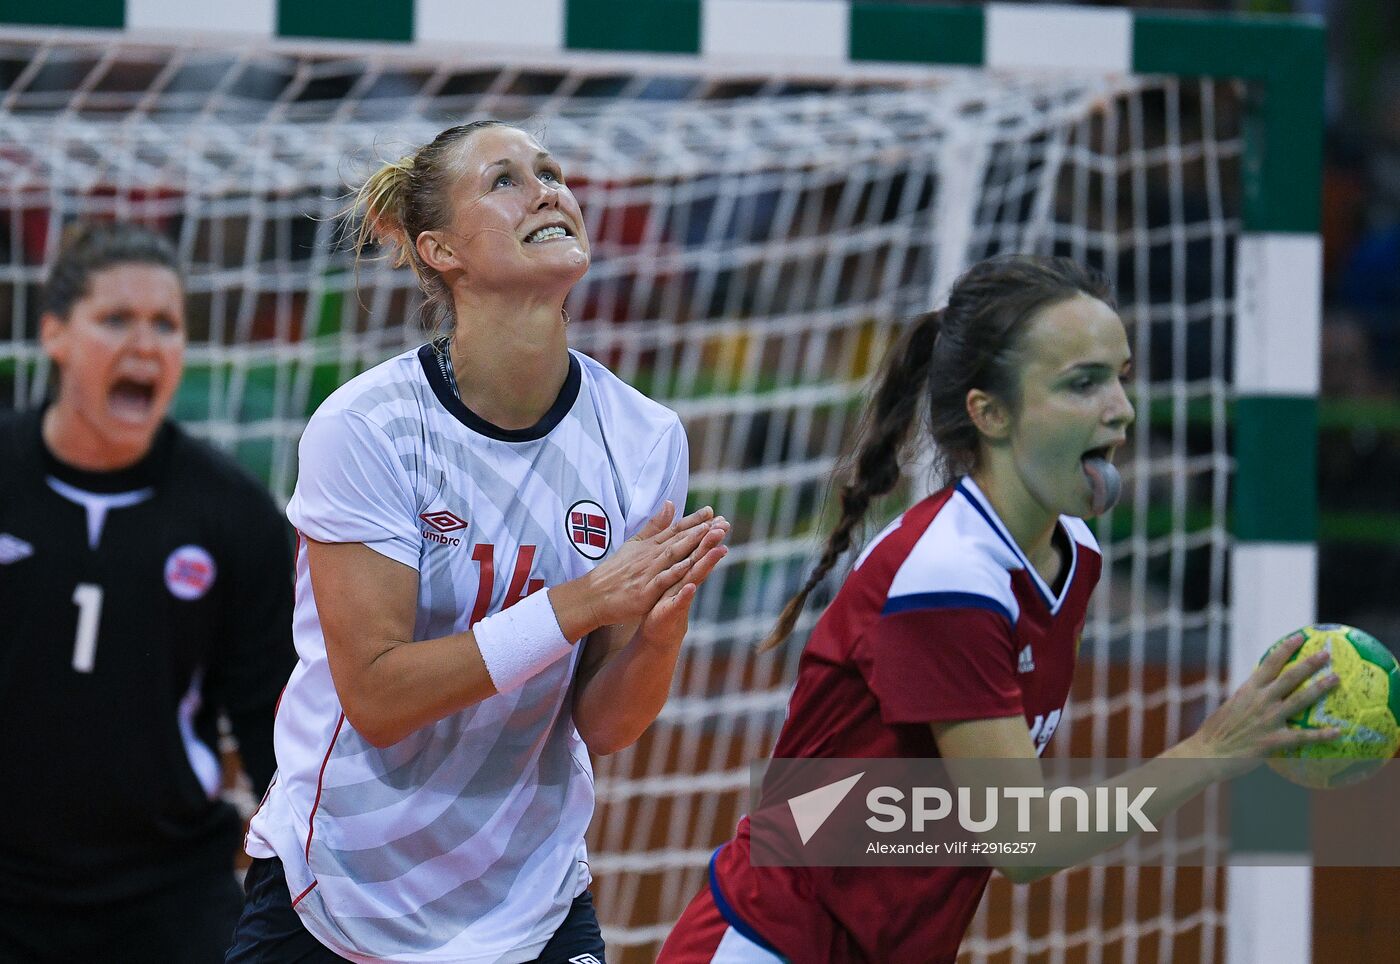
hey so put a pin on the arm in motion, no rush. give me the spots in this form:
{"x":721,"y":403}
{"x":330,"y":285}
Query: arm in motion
{"x":1245,"y":728}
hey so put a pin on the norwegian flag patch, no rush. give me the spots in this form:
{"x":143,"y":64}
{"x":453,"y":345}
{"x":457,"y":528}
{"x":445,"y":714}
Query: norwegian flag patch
{"x":587,"y":526}
{"x":189,"y":572}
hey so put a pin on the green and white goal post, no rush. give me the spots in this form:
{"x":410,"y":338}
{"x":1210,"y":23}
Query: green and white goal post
{"x":769,"y":185}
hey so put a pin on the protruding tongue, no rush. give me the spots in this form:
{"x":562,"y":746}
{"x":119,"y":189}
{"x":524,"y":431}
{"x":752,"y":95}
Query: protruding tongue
{"x":1104,"y":481}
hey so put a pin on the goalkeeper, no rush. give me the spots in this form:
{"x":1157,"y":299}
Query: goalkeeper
{"x":145,"y":588}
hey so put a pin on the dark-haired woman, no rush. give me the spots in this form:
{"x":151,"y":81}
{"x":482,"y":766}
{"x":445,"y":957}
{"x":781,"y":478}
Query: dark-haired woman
{"x":955,"y":634}
{"x":493,"y":579}
{"x":145,"y":589}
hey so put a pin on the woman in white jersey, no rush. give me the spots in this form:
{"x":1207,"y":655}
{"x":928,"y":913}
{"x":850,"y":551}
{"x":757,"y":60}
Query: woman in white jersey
{"x":489,"y":584}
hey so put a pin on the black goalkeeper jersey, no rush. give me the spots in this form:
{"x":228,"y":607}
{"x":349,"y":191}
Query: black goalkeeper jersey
{"x":135,"y":607}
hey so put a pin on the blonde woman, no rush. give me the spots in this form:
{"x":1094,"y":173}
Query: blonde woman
{"x":494,"y":577}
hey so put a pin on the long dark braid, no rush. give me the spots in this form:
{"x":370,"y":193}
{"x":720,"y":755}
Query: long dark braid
{"x":942,"y":355}
{"x":873,"y":470}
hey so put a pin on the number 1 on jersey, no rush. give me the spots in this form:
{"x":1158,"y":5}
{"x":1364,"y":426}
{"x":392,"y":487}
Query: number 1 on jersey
{"x":88,"y":598}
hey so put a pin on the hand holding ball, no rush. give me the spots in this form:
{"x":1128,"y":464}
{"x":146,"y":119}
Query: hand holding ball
{"x":1365,"y":706}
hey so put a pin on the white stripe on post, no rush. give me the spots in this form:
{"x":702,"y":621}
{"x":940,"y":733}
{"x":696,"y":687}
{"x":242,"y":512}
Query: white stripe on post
{"x":776,"y":29}
{"x":1270,"y":916}
{"x":1278,"y":314}
{"x":1273,"y":591}
{"x":249,"y":17}
{"x":523,"y":24}
{"x":1061,"y":37}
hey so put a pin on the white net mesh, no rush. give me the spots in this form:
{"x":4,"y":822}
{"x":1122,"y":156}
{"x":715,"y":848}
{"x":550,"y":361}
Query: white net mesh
{"x":755,"y":240}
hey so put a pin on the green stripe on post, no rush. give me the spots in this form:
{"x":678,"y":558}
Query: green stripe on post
{"x":1283,"y":149}
{"x":98,"y":14}
{"x":346,"y":19}
{"x":896,"y":32}
{"x":1215,"y":46}
{"x":1275,"y":495}
{"x":644,"y":26}
{"x":1286,"y":58}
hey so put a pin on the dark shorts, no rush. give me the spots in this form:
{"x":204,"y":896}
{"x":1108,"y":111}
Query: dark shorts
{"x":186,"y":924}
{"x":271,"y":932}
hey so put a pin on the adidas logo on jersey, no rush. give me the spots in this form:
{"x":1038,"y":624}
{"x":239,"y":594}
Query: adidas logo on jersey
{"x":441,"y":522}
{"x":13,"y":549}
{"x":1025,"y":663}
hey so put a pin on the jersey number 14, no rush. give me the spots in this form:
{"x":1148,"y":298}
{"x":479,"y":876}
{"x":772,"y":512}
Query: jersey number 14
{"x":521,"y":585}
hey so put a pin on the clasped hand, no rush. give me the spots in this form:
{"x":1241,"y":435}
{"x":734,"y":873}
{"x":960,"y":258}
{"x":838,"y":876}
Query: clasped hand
{"x":653,"y":577}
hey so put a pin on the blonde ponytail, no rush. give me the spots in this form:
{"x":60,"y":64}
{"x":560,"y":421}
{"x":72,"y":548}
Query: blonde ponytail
{"x":379,"y":204}
{"x":403,"y":199}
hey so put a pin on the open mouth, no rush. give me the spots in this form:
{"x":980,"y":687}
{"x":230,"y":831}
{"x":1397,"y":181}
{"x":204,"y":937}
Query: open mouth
{"x":1104,"y":452}
{"x":131,"y":398}
{"x":552,"y":232}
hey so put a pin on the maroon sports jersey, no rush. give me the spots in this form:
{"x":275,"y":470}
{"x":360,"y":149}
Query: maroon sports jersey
{"x":943,"y":618}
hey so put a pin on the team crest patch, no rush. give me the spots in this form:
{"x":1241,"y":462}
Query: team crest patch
{"x":13,"y":549}
{"x":189,"y":572}
{"x":588,"y":528}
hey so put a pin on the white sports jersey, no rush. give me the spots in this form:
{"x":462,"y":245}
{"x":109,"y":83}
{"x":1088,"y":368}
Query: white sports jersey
{"x":464,"y":841}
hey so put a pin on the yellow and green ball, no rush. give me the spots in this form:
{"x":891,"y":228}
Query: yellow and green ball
{"x":1365,"y":706}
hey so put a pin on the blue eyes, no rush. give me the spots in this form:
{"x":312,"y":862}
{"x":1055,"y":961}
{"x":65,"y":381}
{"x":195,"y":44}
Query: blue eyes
{"x":505,"y":180}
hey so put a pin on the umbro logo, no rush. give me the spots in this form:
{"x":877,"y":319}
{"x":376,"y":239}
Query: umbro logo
{"x":584,"y":959}
{"x":441,"y":522}
{"x":13,"y":549}
{"x":444,"y":521}
{"x":1025,"y":663}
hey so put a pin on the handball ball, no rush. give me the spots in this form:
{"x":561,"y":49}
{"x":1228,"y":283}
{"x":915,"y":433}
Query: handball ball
{"x":1365,"y":706}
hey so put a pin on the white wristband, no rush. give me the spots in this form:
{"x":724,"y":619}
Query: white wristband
{"x":518,"y":642}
